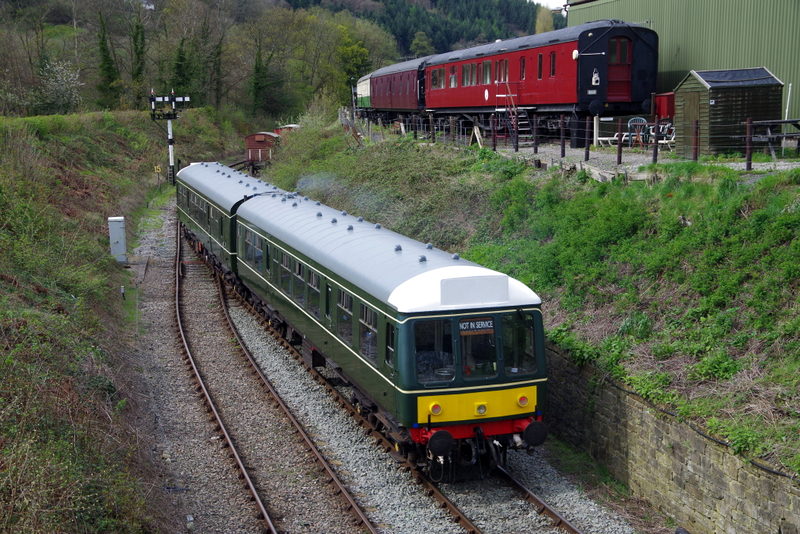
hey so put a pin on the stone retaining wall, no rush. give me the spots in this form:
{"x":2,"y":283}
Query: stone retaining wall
{"x":700,"y":483}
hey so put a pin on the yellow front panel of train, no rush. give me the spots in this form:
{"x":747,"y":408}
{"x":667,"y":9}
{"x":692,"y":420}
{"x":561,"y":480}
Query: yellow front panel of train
{"x":481,"y":405}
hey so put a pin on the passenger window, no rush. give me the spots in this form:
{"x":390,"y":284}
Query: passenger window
{"x":286,"y":273}
{"x":344,"y":311}
{"x":453,"y":76}
{"x":479,"y":347}
{"x":313,"y":293}
{"x":487,"y":72}
{"x":518,"y":352}
{"x":258,"y":253}
{"x":522,"y":68}
{"x":389,"y":357}
{"x":539,"y":67}
{"x":368,"y":333}
{"x":299,"y":283}
{"x":433,"y":351}
{"x":328,"y":298}
{"x":552,"y":63}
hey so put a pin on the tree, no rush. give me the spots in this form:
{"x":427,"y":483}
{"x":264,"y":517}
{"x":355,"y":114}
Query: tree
{"x":544,"y":20}
{"x":138,"y":50}
{"x":59,"y":91}
{"x":422,"y":45}
{"x":109,"y":85}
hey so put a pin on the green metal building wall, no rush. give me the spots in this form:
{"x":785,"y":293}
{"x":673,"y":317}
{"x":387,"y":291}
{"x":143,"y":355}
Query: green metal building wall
{"x":713,"y":34}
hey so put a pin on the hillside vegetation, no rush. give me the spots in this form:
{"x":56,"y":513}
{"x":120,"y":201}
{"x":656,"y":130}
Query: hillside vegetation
{"x":685,"y":289}
{"x":67,"y":459}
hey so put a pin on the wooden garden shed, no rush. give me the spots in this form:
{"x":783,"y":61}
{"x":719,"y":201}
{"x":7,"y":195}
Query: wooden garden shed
{"x":721,"y":101}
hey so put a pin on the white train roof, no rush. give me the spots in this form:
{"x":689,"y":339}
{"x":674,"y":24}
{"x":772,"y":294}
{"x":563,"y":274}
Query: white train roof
{"x":220,"y":183}
{"x":410,"y":276}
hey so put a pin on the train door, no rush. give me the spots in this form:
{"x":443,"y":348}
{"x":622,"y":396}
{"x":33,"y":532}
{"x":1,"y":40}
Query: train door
{"x":619,"y":69}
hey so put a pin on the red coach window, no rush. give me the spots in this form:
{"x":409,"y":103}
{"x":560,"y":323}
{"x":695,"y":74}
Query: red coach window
{"x":522,"y":68}
{"x":539,"y":69}
{"x":437,"y":78}
{"x":487,"y":73}
{"x":552,"y":63}
{"x":619,"y":51}
{"x":453,"y":76}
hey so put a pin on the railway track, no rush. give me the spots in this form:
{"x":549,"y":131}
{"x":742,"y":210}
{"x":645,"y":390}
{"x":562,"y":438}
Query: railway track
{"x":255,"y":428}
{"x":430,"y":487}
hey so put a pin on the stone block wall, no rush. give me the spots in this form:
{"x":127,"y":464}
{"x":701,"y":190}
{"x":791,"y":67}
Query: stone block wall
{"x":700,"y":483}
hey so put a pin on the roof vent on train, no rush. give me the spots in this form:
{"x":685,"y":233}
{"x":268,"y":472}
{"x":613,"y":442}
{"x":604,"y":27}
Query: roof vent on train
{"x":398,"y":248}
{"x":317,"y":203}
{"x":429,"y":246}
{"x":377,"y":226}
{"x":360,"y":219}
{"x":283,"y":199}
{"x":456,"y":257}
{"x":344,"y":213}
{"x":423,"y":259}
{"x":349,"y":227}
{"x":319,"y":214}
{"x":334,"y":221}
{"x":294,"y":204}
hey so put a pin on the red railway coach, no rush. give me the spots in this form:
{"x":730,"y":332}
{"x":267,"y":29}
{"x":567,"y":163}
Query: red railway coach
{"x":399,"y":87}
{"x":603,"y":67}
{"x":600,"y":68}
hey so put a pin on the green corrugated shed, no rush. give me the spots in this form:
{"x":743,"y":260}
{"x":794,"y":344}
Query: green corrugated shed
{"x":712,"y":34}
{"x":721,"y":100}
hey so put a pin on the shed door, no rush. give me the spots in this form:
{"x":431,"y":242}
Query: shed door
{"x":619,"y":69}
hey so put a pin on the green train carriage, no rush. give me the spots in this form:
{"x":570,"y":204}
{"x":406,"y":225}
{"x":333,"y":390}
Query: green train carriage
{"x":447,"y":354}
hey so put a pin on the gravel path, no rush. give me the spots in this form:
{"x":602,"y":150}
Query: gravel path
{"x":295,"y":492}
{"x":196,"y":479}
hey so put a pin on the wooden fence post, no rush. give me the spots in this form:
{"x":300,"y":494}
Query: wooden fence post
{"x":561,"y":128}
{"x":748,"y":144}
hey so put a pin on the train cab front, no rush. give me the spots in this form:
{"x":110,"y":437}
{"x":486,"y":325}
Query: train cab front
{"x":484,"y":379}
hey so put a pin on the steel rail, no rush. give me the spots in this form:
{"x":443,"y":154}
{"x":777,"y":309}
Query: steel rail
{"x":341,"y":488}
{"x":540,"y":505}
{"x":207,"y":396}
{"x":380,"y":439}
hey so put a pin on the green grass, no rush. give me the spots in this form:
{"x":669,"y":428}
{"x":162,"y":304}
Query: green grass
{"x":699,"y":269}
{"x":64,"y":449}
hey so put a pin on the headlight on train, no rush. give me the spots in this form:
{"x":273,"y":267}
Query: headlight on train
{"x":522,"y":400}
{"x":435,"y":408}
{"x":480,"y":408}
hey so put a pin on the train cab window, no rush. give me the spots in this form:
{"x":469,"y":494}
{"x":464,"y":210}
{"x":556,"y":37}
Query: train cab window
{"x":552,"y":64}
{"x":437,"y":78}
{"x":539,"y":67}
{"x":619,"y":51}
{"x":368,"y":333}
{"x":433,"y":351}
{"x":313,"y":293}
{"x":522,"y":68}
{"x":518,"y":349}
{"x":487,"y":72}
{"x":299,"y":283}
{"x":344,"y":316}
{"x":389,"y":356}
{"x":478,"y":347}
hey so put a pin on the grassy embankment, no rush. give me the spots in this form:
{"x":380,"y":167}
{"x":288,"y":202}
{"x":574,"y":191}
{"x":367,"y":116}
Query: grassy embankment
{"x":686,"y":289}
{"x":67,"y":461}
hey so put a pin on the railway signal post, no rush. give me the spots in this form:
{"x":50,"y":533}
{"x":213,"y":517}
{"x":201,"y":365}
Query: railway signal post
{"x":168,"y":110}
